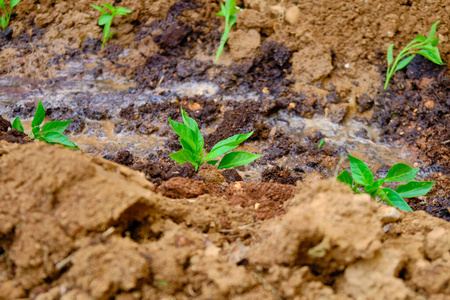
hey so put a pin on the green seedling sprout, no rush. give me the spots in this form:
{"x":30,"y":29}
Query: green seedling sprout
{"x":425,"y":46}
{"x":322,"y":141}
{"x":192,"y":142}
{"x":4,"y":20}
{"x":51,"y":132}
{"x":106,"y":18}
{"x":361,"y":175}
{"x":228,"y":11}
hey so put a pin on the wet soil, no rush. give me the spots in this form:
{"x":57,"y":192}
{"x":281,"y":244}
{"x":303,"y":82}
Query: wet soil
{"x":139,"y":226}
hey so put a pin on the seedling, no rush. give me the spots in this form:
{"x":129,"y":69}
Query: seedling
{"x":106,"y":18}
{"x":361,"y":175}
{"x":322,"y":141}
{"x":228,"y":11}
{"x":192,"y":142}
{"x":4,"y":20}
{"x":425,"y":46}
{"x":51,"y":132}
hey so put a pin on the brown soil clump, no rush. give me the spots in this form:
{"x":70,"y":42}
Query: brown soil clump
{"x":79,"y":226}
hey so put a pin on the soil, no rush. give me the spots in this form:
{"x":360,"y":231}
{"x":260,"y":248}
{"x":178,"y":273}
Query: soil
{"x":127,"y":222}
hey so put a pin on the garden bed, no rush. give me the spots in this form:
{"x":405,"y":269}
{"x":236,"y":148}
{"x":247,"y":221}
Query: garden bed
{"x":143,"y":227}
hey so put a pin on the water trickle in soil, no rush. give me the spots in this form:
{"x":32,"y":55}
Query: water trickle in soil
{"x":98,"y":102}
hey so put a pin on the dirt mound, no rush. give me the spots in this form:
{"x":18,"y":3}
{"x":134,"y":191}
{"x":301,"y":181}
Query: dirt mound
{"x":77,"y":227}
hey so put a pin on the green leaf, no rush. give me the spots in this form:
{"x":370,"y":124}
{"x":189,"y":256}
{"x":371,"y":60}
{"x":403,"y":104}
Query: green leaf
{"x":39,"y":115}
{"x":212,"y":162}
{"x":396,"y":199}
{"x":188,"y":121}
{"x":99,"y":8}
{"x":36,"y":132}
{"x":17,"y":124}
{"x":432,"y":34}
{"x":109,"y":6}
{"x":390,"y":54}
{"x":185,"y":145}
{"x":186,"y":133}
{"x":232,"y":21}
{"x":58,"y":138}
{"x":3,"y":22}
{"x":123,"y":11}
{"x":403,"y":63}
{"x":104,"y":19}
{"x":236,"y":159}
{"x":14,"y":3}
{"x":414,"y":189}
{"x":345,"y":177}
{"x":228,"y":144}
{"x":360,"y":171}
{"x":183,"y":156}
{"x":418,"y":39}
{"x":434,"y":42}
{"x":432,"y":54}
{"x":322,"y":141}
{"x":370,"y":189}
{"x":223,"y":11}
{"x":55,"y":126}
{"x":401,"y":172}
{"x":2,"y":4}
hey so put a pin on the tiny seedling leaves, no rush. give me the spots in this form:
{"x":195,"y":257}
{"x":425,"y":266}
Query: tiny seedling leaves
{"x":228,"y":144}
{"x":396,"y":199}
{"x":401,"y":172}
{"x":192,"y":142}
{"x":109,"y":6}
{"x":390,"y":55}
{"x":17,"y":124}
{"x":183,"y":156}
{"x":404,"y":62}
{"x":425,"y":46}
{"x":361,"y":174}
{"x":227,"y":11}
{"x":370,"y":189}
{"x":360,"y":171}
{"x":55,"y":126}
{"x":236,"y":159}
{"x":99,"y":8}
{"x":13,"y":3}
{"x":432,"y":33}
{"x":51,"y":132}
{"x":414,"y":189}
{"x":39,"y":115}
{"x":106,"y":19}
{"x":58,"y":138}
{"x":345,"y":177}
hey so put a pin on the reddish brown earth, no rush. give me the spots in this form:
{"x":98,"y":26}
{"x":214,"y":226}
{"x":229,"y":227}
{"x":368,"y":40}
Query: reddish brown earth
{"x":76,"y":226}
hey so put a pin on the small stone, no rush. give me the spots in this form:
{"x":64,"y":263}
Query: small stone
{"x":437,"y":243}
{"x":387,"y":227}
{"x":292,"y":105}
{"x":390,"y":214}
{"x":292,"y":15}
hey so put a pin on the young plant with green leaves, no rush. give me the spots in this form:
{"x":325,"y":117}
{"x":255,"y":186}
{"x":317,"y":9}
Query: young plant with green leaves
{"x":192,"y":142}
{"x":425,"y":46}
{"x":106,"y":18}
{"x":228,"y":11}
{"x":51,"y":132}
{"x":361,"y":175}
{"x":4,"y":20}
